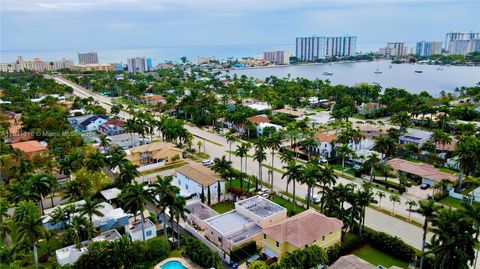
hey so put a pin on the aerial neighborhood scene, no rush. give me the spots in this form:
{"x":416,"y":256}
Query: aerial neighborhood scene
{"x":239,"y":134}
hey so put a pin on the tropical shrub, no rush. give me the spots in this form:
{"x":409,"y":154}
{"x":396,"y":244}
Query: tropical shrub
{"x":391,"y":245}
{"x":200,"y":254}
{"x":243,"y":251}
{"x":309,"y":257}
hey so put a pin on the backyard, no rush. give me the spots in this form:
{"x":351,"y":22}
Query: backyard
{"x":287,"y":204}
{"x":377,"y":257}
{"x":223,"y":207}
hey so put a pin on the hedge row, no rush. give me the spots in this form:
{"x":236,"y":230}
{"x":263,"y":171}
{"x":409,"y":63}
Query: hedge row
{"x":243,"y":251}
{"x":200,"y":254}
{"x":391,"y":245}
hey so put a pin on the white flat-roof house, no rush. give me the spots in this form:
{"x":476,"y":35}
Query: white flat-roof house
{"x":415,"y":136}
{"x":134,"y":230}
{"x":70,"y":254}
{"x":192,"y":178}
{"x":261,"y":127}
{"x":127,"y":140}
{"x":244,"y":223}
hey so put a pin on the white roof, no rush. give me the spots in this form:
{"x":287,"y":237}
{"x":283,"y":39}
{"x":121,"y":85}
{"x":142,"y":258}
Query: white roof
{"x":111,"y":194}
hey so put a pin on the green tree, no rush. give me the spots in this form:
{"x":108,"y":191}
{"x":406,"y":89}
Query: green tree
{"x":402,"y":119}
{"x":467,"y":151}
{"x":164,"y":193}
{"x":29,"y":231}
{"x":293,"y":173}
{"x":91,"y":208}
{"x":428,"y":209}
{"x":395,"y":199}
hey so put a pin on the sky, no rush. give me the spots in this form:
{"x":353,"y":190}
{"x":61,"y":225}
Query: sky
{"x":107,"y":24}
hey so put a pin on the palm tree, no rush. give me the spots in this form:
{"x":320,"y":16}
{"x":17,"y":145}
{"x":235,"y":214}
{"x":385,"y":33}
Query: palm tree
{"x":29,"y":231}
{"x":364,"y":198}
{"x":130,"y":126}
{"x":402,"y":119}
{"x":310,"y":173}
{"x":385,"y":145}
{"x":80,"y":229}
{"x":380,"y":195}
{"x":473,"y":212}
{"x":259,"y":156}
{"x":224,"y":168}
{"x":286,"y":156}
{"x":133,"y":199}
{"x":343,"y":152}
{"x":453,"y":242}
{"x":327,"y":178}
{"x":241,"y":152}
{"x":231,"y":138}
{"x":467,"y":151}
{"x":411,"y":204}
{"x":164,"y":193}
{"x":104,"y":142}
{"x":293,"y":173}
{"x":274,"y":141}
{"x":117,"y":159}
{"x":178,"y":211}
{"x":428,"y":209}
{"x":91,"y":207}
{"x":371,"y":162}
{"x":395,"y":199}
{"x":441,"y":137}
{"x":39,"y":184}
{"x":128,"y":172}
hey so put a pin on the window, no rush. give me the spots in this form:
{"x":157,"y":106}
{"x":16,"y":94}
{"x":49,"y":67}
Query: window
{"x":323,"y":238}
{"x":148,"y":233}
{"x":179,"y":182}
{"x":186,"y":186}
{"x":277,"y":244}
{"x":264,"y":236}
{"x":219,"y":239}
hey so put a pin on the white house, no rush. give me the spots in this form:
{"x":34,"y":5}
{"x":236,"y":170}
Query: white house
{"x":193,"y":178}
{"x":87,"y":122}
{"x":134,"y":230}
{"x":263,"y":125}
{"x":324,"y":146}
{"x":127,"y":140}
{"x":70,"y":254}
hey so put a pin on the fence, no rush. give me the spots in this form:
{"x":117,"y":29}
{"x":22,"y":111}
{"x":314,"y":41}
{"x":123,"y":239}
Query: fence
{"x":225,"y":257}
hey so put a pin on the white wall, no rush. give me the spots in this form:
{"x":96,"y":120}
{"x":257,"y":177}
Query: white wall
{"x":189,"y":185}
{"x":323,"y":149}
{"x":150,"y":232}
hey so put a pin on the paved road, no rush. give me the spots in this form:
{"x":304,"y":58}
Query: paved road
{"x":374,"y":219}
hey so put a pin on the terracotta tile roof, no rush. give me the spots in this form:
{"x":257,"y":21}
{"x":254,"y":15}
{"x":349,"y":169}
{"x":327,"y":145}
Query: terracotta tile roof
{"x":351,"y":262}
{"x":115,"y":122}
{"x":303,"y":229}
{"x":29,"y":146}
{"x":152,"y":97}
{"x":423,"y":170}
{"x":290,"y":112}
{"x":325,"y":137}
{"x":258,"y":119}
{"x":157,"y":150}
{"x":200,"y":174}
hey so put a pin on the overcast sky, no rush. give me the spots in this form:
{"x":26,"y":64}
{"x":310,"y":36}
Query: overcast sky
{"x":103,"y":24}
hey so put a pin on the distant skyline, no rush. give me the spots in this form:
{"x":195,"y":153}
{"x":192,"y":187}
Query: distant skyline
{"x":110,"y":24}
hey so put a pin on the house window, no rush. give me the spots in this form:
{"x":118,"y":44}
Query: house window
{"x":179,"y":182}
{"x":277,"y":244}
{"x":148,"y":233}
{"x":186,"y":186}
{"x":264,"y":236}
{"x":219,"y":239}
{"x":323,"y":238}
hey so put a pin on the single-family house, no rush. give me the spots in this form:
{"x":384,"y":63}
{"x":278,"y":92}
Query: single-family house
{"x":110,"y":195}
{"x":258,"y":119}
{"x":244,"y":223}
{"x":324,"y":146}
{"x":87,"y":122}
{"x":307,"y":228}
{"x":153,"y":99}
{"x":29,"y":148}
{"x":368,"y":108}
{"x":112,"y":217}
{"x":158,"y":152}
{"x":134,"y":230}
{"x":427,"y":172}
{"x":195,"y":180}
{"x":415,"y":136}
{"x":112,"y":127}
{"x":294,"y":113}
{"x":370,"y":131}
{"x":127,"y":140}
{"x":15,"y":134}
{"x":70,"y":254}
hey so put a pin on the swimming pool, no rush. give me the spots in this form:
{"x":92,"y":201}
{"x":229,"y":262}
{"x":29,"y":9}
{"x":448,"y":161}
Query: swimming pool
{"x":173,"y":265}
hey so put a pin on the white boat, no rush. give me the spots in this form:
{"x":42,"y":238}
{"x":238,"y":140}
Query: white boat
{"x":439,"y":68}
{"x":418,"y":71}
{"x":377,"y":71}
{"x":327,"y":74}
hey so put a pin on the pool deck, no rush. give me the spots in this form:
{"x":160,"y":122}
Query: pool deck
{"x":183,"y":261}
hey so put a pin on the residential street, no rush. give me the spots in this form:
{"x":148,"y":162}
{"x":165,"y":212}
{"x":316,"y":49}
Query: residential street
{"x":410,"y":233}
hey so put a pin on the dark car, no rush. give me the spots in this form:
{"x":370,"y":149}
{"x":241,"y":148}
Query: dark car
{"x":408,"y":184}
{"x":424,"y":186}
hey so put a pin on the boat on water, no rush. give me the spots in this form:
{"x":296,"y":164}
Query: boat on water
{"x":375,"y":83}
{"x":418,"y":71}
{"x":390,"y":66}
{"x":327,"y":73}
{"x":377,"y":71}
{"x":439,"y":68}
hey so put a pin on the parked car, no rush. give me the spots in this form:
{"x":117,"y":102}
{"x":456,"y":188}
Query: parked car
{"x":207,"y":162}
{"x":424,"y":186}
{"x":408,"y":184}
{"x":315,"y":199}
{"x":184,"y":154}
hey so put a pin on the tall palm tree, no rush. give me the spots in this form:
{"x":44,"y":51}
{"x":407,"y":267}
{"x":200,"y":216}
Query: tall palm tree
{"x":326,"y":180}
{"x":371,"y":163}
{"x":241,"y":152}
{"x":128,"y":172}
{"x":259,"y":156}
{"x":344,"y":151}
{"x":428,"y":209}
{"x":402,"y":119}
{"x":96,"y":161}
{"x":224,"y":168}
{"x":286,"y":156}
{"x":395,"y":199}
{"x":29,"y":231}
{"x":293,"y":173}
{"x":441,"y":137}
{"x":91,"y":208}
{"x":117,"y":159}
{"x":411,"y":205}
{"x":380,"y":195}
{"x":274,"y":141}
{"x":104,"y":142}
{"x":178,"y":210}
{"x":39,"y":184}
{"x":385,"y":145}
{"x":130,"y":126}
{"x":133,"y":199}
{"x":364,"y":197}
{"x":164,"y":193}
{"x":473,"y":212}
{"x":310,"y":173}
{"x":467,"y":151}
{"x":231,"y":138}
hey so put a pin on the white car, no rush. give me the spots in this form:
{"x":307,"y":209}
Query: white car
{"x":207,"y":162}
{"x":314,"y":198}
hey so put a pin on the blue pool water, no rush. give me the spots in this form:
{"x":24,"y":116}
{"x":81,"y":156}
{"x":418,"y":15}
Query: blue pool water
{"x":173,"y":265}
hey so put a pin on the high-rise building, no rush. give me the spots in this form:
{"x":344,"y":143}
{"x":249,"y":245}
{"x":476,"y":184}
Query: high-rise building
{"x":149,"y":64}
{"x":451,"y":37}
{"x":279,"y":57}
{"x":464,"y":46}
{"x":36,"y":65}
{"x":428,"y":48}
{"x":88,"y":58}
{"x":310,"y":49}
{"x":396,"y":48}
{"x":136,"y":65}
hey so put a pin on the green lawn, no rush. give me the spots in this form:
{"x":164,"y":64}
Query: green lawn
{"x":236,"y":183}
{"x":287,"y":204}
{"x":377,"y":257}
{"x":446,"y":170}
{"x":348,"y":170}
{"x":223,"y":207}
{"x":176,"y":252}
{"x":452,"y":202}
{"x":412,"y":160}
